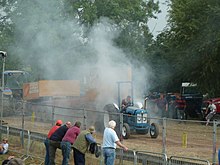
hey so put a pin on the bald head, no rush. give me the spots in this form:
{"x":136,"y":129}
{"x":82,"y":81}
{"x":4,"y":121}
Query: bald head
{"x":68,"y":124}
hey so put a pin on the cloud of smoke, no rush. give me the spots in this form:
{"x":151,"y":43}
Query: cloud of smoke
{"x":59,"y":49}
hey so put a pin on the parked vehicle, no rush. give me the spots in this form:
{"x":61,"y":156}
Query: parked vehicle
{"x":193,"y":97}
{"x":13,"y":83}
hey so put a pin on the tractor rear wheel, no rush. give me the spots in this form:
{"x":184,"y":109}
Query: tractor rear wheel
{"x":111,"y":112}
{"x":154,"y":130}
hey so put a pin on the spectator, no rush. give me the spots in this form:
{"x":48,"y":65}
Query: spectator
{"x":81,"y":145}
{"x":212,"y":111}
{"x":13,"y":161}
{"x":68,"y":140}
{"x":55,"y":140}
{"x":126,"y":102}
{"x":7,"y":160}
{"x":46,"y":142}
{"x":4,"y":146}
{"x":180,"y":107}
{"x":162,"y":105}
{"x":110,"y":141}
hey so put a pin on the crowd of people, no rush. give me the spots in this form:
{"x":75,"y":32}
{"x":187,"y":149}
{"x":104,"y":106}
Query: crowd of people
{"x":68,"y":137}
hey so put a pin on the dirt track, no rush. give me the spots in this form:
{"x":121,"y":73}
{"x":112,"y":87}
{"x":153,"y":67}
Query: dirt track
{"x":182,"y":139}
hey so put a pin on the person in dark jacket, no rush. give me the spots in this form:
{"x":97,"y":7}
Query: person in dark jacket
{"x":55,"y":140}
{"x":46,"y":142}
{"x":81,"y":145}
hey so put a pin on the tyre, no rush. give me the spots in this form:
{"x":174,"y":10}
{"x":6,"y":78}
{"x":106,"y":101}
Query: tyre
{"x":111,"y":112}
{"x":126,"y":131}
{"x":154,"y":130}
{"x":216,"y":118}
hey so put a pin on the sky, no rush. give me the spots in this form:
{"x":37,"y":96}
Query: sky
{"x":157,"y":25}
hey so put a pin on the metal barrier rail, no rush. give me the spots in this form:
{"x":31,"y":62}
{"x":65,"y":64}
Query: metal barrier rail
{"x":136,"y":157}
{"x":176,"y":160}
{"x":146,"y":157}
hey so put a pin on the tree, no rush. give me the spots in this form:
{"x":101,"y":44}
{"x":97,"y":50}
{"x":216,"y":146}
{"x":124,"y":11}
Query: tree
{"x":193,"y":38}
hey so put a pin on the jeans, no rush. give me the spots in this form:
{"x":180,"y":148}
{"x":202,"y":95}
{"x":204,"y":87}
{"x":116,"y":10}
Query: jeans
{"x":47,"y":159}
{"x":109,"y":156}
{"x":66,"y":149}
{"x":79,"y":158}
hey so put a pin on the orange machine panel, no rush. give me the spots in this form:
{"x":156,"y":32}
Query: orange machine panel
{"x":59,"y":88}
{"x":51,"y":88}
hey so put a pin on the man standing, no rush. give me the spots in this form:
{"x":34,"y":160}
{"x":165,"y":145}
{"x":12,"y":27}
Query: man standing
{"x":55,"y":140}
{"x":110,"y":141}
{"x":81,"y":145}
{"x":212,"y":109}
{"x":162,"y":105}
{"x":46,"y":142}
{"x":180,"y":107}
{"x":68,"y":140}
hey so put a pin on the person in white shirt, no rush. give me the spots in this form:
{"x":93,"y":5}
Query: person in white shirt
{"x":110,"y":141}
{"x":212,"y":108}
{"x":4,"y":146}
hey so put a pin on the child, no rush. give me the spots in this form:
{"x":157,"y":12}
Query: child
{"x":4,"y":146}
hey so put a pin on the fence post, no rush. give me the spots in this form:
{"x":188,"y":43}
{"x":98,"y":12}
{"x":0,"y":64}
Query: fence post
{"x":214,"y":142}
{"x":121,"y":125}
{"x":164,"y":136}
{"x":135,"y":158}
{"x":29,"y":143}
{"x":22,"y":125}
{"x":53,"y":113}
{"x":84,"y":117}
{"x":7,"y":131}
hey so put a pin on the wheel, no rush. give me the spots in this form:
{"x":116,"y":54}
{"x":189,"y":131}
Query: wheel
{"x":111,"y":112}
{"x":126,"y":131}
{"x":216,"y":118}
{"x":154,"y":130}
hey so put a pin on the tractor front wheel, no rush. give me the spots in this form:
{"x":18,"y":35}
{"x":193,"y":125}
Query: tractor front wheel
{"x":126,"y":131}
{"x":154,"y":130}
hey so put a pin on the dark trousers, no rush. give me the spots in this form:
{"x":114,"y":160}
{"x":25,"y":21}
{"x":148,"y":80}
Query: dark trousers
{"x":47,"y":159}
{"x":79,"y":158}
{"x":53,"y":145}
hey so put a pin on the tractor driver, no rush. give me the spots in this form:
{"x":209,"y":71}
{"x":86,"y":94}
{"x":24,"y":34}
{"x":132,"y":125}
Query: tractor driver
{"x":126,"y":102}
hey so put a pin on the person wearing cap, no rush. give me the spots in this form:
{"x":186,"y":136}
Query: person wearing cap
{"x":81,"y":145}
{"x":55,"y":140}
{"x":68,"y":140}
{"x":110,"y":141}
{"x":46,"y":142}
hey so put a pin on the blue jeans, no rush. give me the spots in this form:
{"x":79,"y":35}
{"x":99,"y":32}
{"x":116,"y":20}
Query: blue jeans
{"x":66,"y":149}
{"x":109,"y":156}
{"x":47,"y":159}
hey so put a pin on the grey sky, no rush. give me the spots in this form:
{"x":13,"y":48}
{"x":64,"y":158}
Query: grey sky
{"x":157,"y":25}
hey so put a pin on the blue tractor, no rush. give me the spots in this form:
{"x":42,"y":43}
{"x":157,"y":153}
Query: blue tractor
{"x":135,"y":118}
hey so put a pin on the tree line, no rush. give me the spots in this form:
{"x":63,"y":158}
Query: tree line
{"x":186,"y":50}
